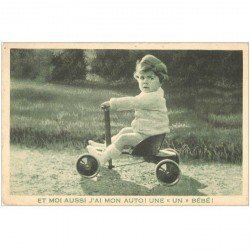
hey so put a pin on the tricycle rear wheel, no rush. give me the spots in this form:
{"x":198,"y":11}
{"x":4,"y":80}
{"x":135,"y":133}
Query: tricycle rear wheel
{"x":168,"y":172}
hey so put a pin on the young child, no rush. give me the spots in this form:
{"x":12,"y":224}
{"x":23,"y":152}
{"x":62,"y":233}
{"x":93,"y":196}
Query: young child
{"x":150,"y":110}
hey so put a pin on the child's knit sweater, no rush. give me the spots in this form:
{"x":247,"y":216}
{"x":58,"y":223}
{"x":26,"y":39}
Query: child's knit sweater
{"x":151,"y":116}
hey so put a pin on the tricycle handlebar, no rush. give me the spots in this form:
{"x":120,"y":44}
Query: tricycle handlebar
{"x":104,"y":107}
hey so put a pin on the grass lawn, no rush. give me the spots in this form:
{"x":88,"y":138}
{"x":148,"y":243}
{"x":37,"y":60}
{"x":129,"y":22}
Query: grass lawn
{"x":59,"y":117}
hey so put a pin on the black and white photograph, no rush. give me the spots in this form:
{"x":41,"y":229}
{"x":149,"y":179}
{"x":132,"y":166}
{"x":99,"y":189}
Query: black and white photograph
{"x":125,"y":124}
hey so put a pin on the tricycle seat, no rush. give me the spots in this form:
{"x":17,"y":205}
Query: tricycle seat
{"x":149,"y":146}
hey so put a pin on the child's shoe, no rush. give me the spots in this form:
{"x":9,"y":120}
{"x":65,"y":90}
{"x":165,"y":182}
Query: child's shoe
{"x":96,"y":144}
{"x":109,"y":153}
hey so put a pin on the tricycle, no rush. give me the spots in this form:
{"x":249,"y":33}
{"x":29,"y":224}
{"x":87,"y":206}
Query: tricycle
{"x":166,"y":160}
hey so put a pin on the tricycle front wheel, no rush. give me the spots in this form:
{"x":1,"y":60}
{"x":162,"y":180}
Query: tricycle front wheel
{"x":88,"y":166}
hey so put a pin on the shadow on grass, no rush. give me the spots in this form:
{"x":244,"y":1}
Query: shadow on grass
{"x":110,"y":183}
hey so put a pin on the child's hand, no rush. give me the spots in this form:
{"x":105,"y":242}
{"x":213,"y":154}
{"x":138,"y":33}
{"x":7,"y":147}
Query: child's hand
{"x":105,"y":104}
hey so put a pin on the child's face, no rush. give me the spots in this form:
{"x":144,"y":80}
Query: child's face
{"x":148,"y":81}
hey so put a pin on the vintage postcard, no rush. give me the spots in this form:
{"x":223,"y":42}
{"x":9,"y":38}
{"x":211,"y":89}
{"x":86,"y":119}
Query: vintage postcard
{"x":116,"y":124}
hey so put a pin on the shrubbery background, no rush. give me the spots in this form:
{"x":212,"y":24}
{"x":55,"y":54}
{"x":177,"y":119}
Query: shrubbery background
{"x":191,"y":68}
{"x":204,"y":96}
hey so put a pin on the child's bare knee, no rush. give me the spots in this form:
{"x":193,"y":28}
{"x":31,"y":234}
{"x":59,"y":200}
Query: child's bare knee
{"x":123,"y":139}
{"x":126,"y":130}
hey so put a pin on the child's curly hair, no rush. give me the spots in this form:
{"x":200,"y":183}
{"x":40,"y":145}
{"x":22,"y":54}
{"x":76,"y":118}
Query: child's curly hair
{"x":151,"y":63}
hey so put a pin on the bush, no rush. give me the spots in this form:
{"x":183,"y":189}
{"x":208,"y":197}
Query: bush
{"x":195,"y":68}
{"x":56,"y":65}
{"x":68,"y":65}
{"x":111,"y":64}
{"x":24,"y":64}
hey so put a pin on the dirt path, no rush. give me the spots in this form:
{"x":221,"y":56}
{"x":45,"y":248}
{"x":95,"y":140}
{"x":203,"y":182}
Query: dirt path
{"x":45,"y":172}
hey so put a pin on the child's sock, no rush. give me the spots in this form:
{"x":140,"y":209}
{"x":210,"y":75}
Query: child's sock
{"x":92,"y":150}
{"x":111,"y":152}
{"x":96,"y":144}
